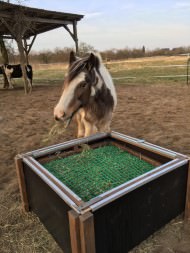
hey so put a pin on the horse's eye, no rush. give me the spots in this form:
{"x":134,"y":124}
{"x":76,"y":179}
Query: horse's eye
{"x":83,"y":84}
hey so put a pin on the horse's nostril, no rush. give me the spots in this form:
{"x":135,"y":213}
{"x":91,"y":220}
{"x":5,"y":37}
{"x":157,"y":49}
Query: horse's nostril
{"x":56,"y":118}
{"x":60,"y":117}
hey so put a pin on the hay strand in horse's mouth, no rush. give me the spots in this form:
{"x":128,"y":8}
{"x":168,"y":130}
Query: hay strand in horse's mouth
{"x":57,"y":129}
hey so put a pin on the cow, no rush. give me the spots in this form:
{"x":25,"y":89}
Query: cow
{"x":15,"y":71}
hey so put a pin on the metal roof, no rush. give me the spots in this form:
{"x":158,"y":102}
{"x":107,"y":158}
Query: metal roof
{"x":34,"y":20}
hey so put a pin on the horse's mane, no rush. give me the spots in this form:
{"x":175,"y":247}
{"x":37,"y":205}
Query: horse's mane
{"x":82,"y":64}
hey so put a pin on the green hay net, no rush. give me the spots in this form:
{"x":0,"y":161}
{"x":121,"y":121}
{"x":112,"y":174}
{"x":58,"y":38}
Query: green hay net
{"x":95,"y":171}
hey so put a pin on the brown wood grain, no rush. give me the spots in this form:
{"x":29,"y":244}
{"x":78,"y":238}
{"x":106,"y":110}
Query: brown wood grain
{"x":87,"y":235}
{"x":21,"y":182}
{"x":74,"y":231}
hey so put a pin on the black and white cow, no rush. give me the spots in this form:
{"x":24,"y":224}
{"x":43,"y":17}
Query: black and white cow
{"x":15,"y":71}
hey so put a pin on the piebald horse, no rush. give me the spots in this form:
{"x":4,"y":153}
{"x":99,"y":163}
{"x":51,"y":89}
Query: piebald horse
{"x":89,"y":94}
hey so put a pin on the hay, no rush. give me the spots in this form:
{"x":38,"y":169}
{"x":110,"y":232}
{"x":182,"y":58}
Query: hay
{"x":57,"y":129}
{"x":95,"y":171}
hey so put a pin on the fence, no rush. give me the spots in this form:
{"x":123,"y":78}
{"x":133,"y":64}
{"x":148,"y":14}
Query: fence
{"x":169,"y":72}
{"x":148,"y":70}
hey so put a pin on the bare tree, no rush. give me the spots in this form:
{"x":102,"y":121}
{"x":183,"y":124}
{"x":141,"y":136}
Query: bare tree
{"x":85,"y":48}
{"x":5,"y":59}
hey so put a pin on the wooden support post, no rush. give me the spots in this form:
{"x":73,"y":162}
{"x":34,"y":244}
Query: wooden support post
{"x":87,"y":235}
{"x":6,"y":83}
{"x":82,"y":232}
{"x":5,"y":59}
{"x":188,"y":63}
{"x":21,"y":182}
{"x":18,"y":31}
{"x":23,"y":63}
{"x":74,"y":231}
{"x":28,"y":47}
{"x":75,"y":36}
{"x":187,"y":205}
{"x":26,"y":51}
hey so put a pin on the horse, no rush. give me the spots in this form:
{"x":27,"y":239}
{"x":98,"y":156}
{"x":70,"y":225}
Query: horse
{"x":88,"y":94}
{"x":15,"y":71}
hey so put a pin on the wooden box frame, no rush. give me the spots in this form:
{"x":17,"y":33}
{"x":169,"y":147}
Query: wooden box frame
{"x":117,"y":220}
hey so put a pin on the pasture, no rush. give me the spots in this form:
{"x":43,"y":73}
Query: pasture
{"x":155,"y":109}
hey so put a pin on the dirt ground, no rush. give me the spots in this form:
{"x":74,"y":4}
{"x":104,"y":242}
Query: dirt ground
{"x":159,"y":114}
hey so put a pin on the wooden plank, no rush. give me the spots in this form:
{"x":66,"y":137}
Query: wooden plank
{"x":62,"y":21}
{"x":21,"y":182}
{"x":6,"y":37}
{"x":87,"y":235}
{"x":74,"y":231}
{"x":187,"y":205}
{"x":50,"y":21}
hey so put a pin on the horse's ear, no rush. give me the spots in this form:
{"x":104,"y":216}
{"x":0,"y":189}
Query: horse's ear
{"x":72,"y":57}
{"x":92,"y":61}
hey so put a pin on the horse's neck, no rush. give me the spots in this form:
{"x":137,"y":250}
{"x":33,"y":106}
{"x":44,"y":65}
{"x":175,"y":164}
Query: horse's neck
{"x":108,"y":82}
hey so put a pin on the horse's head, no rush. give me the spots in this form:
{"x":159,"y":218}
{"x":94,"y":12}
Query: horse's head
{"x":78,"y":86}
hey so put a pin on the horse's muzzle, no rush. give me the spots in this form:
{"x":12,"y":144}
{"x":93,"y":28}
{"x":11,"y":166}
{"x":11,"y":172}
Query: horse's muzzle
{"x":65,"y":120}
{"x":61,"y":117}
{"x":56,"y":118}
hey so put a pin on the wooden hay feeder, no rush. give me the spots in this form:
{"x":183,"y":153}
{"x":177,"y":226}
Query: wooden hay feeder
{"x":105,"y":193}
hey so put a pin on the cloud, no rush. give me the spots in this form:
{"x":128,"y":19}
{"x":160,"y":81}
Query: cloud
{"x":128,"y":6}
{"x":182,"y":5}
{"x":92,"y":14}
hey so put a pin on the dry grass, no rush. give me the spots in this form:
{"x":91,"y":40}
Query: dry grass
{"x":161,"y":240}
{"x":17,"y":233}
{"x":51,"y":66}
{"x":146,"y":70}
{"x":57,"y":129}
{"x":155,"y":59}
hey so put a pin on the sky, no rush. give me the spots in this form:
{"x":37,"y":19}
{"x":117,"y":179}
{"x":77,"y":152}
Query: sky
{"x":120,"y":23}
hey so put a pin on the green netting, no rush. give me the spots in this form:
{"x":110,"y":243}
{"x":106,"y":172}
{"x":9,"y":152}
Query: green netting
{"x":95,"y":171}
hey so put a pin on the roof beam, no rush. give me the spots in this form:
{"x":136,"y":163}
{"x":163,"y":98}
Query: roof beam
{"x":50,"y":21}
{"x":8,"y":27}
{"x":39,"y":20}
{"x":7,"y":37}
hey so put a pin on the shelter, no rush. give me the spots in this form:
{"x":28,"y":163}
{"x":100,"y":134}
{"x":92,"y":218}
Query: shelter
{"x":23,"y":24}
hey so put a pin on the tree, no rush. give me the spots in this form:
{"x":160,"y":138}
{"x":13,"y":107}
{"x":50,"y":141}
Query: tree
{"x":5,"y":59}
{"x":85,"y":48}
{"x":143,"y":50}
{"x":45,"y":56}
